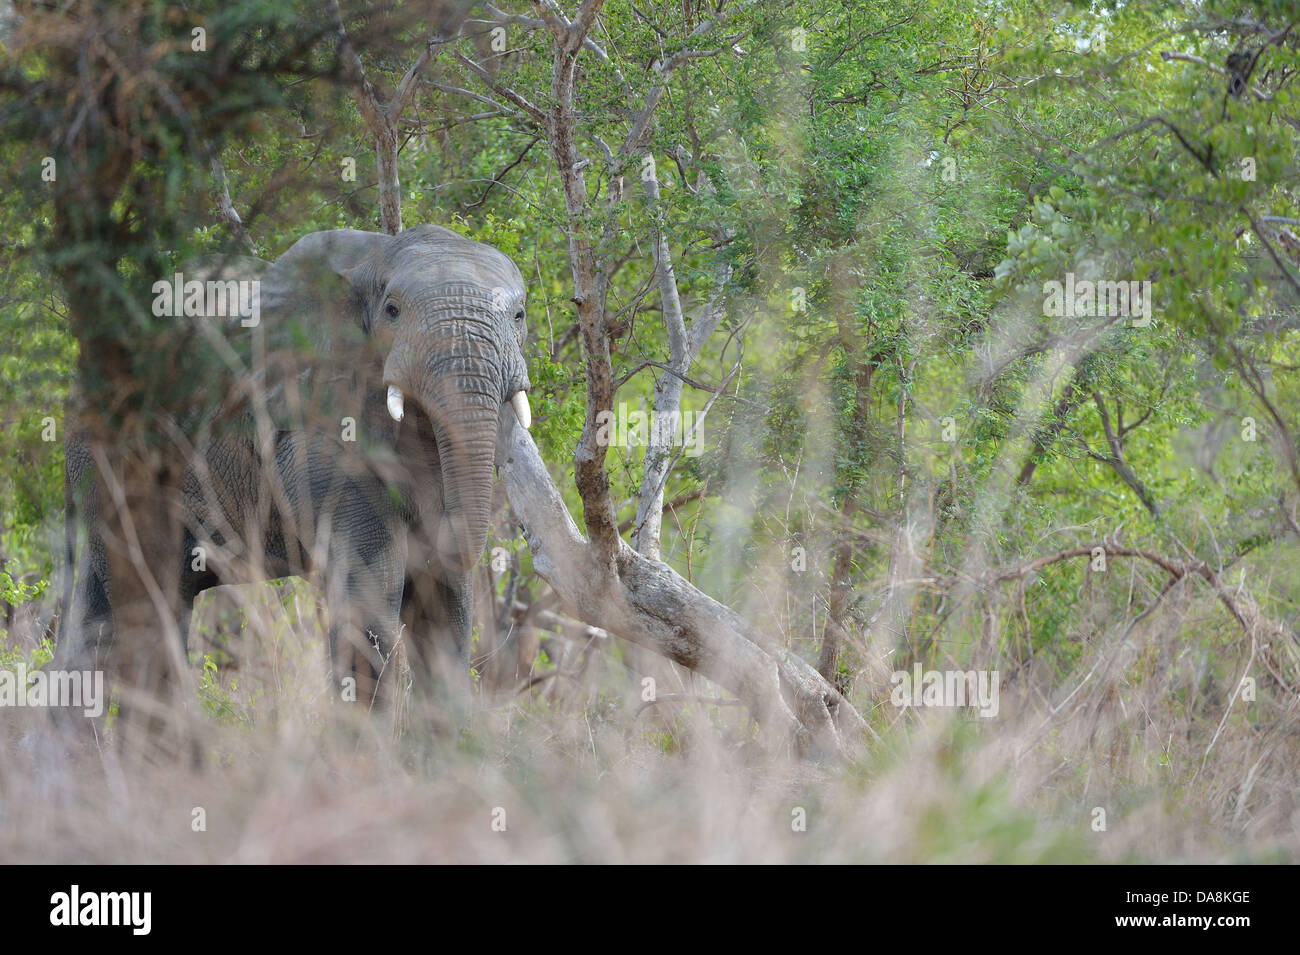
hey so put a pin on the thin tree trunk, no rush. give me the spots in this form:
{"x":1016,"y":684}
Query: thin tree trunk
{"x":683,"y":348}
{"x":390,"y":187}
{"x":382,"y":118}
{"x":842,"y":592}
{"x":1045,"y":437}
{"x":1116,"y":458}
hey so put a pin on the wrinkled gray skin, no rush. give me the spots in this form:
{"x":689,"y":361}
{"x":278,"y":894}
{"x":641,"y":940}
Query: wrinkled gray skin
{"x":390,"y":524}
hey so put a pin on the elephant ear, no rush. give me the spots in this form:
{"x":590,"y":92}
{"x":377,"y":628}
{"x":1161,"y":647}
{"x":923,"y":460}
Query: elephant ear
{"x":225,"y":268}
{"x":231,"y":320}
{"x":316,"y":362}
{"x":225,"y":330}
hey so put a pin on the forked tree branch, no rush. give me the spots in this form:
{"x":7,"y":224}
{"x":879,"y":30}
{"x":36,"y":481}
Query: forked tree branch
{"x":1267,"y":633}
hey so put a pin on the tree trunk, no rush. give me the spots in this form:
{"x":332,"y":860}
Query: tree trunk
{"x":390,"y":188}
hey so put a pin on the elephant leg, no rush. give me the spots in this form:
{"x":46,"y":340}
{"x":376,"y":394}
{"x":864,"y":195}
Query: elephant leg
{"x":438,"y":616}
{"x":363,"y":593}
{"x":361,"y":641}
{"x":193,"y":582}
{"x":83,"y":644}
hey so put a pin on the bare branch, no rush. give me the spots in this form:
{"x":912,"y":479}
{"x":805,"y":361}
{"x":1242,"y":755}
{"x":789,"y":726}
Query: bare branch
{"x":1272,"y":252}
{"x":228,"y":208}
{"x":510,"y":94}
{"x":1116,"y":458}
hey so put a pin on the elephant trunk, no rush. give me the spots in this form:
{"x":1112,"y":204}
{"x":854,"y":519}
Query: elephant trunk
{"x":457,"y":380}
{"x":466,"y":452}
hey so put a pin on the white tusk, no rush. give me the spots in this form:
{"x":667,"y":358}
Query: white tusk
{"x":396,"y":406}
{"x":524,"y":413}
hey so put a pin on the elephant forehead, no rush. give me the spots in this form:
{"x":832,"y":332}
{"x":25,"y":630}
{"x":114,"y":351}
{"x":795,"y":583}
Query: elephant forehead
{"x":441,"y":255}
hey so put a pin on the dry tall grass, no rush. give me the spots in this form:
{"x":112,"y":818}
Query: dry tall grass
{"x":589,"y":773}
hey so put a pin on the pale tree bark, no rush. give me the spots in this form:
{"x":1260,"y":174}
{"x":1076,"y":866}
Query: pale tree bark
{"x":684,"y":346}
{"x":590,"y":286}
{"x":227,"y":208}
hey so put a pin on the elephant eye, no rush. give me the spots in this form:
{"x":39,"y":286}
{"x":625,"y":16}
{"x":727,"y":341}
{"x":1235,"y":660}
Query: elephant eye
{"x":392,"y":310}
{"x":519,"y":315}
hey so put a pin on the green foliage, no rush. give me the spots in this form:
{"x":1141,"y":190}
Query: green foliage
{"x":16,"y":592}
{"x":220,"y":700}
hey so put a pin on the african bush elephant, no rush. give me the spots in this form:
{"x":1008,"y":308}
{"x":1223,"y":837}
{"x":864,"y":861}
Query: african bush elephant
{"x":375,"y":392}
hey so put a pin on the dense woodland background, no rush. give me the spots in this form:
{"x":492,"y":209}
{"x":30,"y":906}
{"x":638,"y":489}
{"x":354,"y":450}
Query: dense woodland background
{"x":826,"y":224}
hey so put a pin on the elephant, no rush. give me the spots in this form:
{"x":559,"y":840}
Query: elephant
{"x":377,"y":389}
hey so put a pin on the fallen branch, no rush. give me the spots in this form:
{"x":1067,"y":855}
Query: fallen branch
{"x":647,"y":602}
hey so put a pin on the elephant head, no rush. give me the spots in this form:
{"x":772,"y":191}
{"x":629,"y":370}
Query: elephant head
{"x":418,"y":336}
